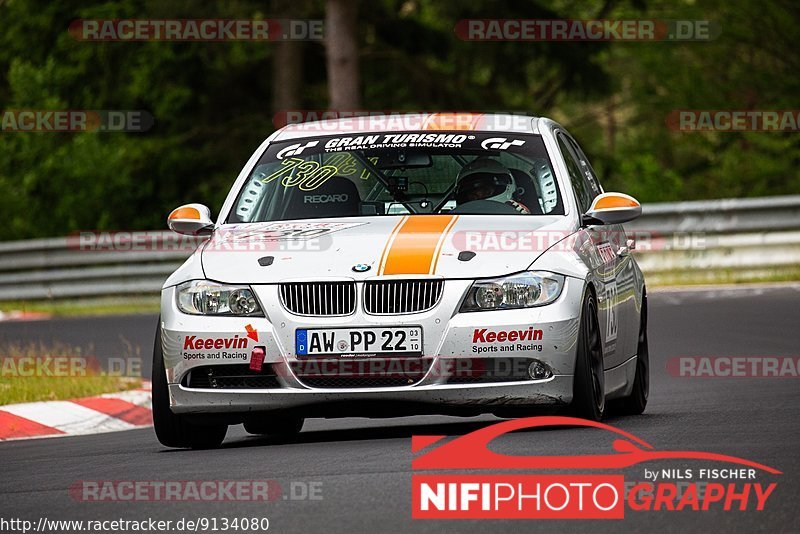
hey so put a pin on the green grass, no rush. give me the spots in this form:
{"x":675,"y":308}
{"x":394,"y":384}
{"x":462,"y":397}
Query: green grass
{"x":31,"y":389}
{"x":41,"y":373}
{"x":87,"y":306}
{"x":723,"y":276}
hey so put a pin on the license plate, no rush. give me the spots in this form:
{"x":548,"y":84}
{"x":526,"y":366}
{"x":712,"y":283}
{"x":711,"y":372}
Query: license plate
{"x":359,"y":342}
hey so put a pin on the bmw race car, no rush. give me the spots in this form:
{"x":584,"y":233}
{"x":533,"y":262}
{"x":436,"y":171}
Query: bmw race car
{"x":423,"y":264}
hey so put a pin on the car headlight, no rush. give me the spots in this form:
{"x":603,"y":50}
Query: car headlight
{"x":203,"y":297}
{"x":522,"y":290}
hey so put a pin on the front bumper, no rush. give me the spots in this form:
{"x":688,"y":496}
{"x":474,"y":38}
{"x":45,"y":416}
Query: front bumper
{"x":442,"y":399}
{"x":447,"y":336}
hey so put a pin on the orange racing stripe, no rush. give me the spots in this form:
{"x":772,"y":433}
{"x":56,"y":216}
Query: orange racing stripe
{"x":440,"y":244}
{"x":388,"y":244}
{"x":415,"y":244}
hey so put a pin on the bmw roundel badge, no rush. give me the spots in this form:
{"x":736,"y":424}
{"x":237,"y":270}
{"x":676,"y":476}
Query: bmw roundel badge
{"x":361,"y":267}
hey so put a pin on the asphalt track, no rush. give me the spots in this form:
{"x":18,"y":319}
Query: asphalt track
{"x":364,"y":466}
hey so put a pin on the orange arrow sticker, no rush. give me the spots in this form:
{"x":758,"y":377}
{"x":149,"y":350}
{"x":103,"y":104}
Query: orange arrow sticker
{"x":252,"y":333}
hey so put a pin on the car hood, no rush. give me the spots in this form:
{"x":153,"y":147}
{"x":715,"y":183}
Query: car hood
{"x":366,"y":247}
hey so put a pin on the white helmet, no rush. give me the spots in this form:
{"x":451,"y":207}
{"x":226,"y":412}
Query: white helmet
{"x":487,"y":179}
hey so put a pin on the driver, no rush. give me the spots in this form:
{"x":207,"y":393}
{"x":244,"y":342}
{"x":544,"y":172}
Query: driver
{"x":487,"y":179}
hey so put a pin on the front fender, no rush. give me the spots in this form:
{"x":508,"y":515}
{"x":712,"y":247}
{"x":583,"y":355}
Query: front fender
{"x":192,"y":269}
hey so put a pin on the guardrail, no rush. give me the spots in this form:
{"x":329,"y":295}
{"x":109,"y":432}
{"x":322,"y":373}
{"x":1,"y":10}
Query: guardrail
{"x":719,"y":240}
{"x":677,"y":242}
{"x":65,"y":267}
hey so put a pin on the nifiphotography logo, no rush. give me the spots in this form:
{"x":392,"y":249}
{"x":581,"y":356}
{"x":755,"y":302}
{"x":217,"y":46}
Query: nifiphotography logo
{"x":519,"y":495}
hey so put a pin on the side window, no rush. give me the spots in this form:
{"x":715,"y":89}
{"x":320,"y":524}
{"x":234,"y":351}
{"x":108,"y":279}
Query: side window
{"x":579,"y":185}
{"x":586,"y":168}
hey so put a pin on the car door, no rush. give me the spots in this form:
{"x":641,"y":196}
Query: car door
{"x":601,"y":258}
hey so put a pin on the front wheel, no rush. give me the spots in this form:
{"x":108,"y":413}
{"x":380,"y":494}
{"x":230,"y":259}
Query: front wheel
{"x":173,"y":430}
{"x":589,"y":396}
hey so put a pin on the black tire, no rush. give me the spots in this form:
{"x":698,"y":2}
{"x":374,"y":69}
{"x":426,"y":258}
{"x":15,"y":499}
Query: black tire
{"x":276,"y":426}
{"x":173,"y":430}
{"x":588,"y":395}
{"x":636,"y":402}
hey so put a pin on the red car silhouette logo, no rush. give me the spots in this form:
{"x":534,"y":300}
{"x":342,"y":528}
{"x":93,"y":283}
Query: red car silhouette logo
{"x":471,"y":451}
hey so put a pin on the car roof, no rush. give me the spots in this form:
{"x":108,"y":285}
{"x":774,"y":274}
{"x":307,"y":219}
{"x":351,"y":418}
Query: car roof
{"x":367,"y":122}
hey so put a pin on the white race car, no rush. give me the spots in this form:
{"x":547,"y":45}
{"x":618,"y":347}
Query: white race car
{"x":433,"y":264}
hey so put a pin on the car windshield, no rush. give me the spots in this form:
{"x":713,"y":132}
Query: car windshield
{"x":402,"y":173}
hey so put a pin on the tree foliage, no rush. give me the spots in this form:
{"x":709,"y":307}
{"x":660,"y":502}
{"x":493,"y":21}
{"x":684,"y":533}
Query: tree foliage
{"x":212,"y":101}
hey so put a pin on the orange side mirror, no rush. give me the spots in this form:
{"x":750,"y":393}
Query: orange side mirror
{"x":614,"y":208}
{"x":191,"y":219}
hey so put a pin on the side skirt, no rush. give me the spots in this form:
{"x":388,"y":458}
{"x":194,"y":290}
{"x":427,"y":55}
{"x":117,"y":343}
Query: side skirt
{"x":619,"y":379}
